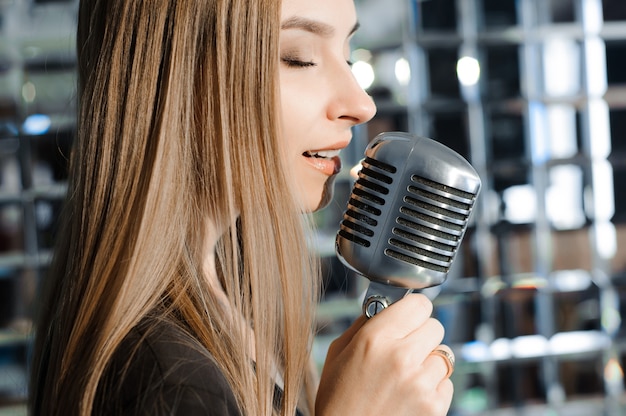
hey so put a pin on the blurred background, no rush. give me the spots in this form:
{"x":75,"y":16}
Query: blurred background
{"x":531,"y":92}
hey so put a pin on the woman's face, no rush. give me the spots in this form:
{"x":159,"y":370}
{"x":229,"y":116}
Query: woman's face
{"x":321,"y":99}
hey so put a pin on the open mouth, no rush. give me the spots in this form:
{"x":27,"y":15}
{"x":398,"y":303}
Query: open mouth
{"x":322,"y":154}
{"x":326,"y":161}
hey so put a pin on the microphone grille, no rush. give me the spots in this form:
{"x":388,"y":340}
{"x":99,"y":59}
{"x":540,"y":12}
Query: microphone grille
{"x":430,"y":224}
{"x":366,"y":201}
{"x":408,"y":211}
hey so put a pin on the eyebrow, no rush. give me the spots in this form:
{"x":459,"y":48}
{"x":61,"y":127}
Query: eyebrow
{"x":313,"y":26}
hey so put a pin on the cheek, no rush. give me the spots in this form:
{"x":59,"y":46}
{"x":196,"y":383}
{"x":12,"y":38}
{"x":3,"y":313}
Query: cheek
{"x":301,"y":106}
{"x":302,"y":123}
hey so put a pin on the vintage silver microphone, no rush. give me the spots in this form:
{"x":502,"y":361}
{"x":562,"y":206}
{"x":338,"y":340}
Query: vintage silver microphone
{"x":406,"y":216}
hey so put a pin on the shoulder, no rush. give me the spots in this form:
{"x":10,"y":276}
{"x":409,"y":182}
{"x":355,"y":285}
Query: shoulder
{"x":160,"y":369}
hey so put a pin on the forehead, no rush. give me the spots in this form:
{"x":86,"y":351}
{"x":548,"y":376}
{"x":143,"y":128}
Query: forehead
{"x":337,"y":13}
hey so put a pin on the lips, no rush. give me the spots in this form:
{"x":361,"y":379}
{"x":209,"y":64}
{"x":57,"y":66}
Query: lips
{"x":326,"y":161}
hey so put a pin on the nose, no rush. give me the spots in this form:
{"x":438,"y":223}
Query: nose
{"x":350,"y":102}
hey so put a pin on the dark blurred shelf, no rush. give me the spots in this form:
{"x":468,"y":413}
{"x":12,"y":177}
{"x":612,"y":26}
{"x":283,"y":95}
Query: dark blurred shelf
{"x":17,"y":260}
{"x":53,"y":191}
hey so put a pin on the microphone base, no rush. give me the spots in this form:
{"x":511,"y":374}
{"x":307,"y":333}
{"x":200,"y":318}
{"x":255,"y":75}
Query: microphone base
{"x":379,"y":296}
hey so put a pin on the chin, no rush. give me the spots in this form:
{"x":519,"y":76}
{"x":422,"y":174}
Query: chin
{"x":327,"y":193}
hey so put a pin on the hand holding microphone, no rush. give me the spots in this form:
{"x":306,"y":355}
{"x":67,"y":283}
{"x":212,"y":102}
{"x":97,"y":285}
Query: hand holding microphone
{"x":388,"y":365}
{"x":406,"y":217}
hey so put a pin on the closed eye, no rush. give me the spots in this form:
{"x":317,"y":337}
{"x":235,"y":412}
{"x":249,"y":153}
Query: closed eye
{"x":297,"y":63}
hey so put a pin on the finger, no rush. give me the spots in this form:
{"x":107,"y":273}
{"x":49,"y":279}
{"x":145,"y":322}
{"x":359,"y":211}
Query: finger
{"x":405,"y":315}
{"x":440,"y":362}
{"x":423,"y":340}
{"x":446,"y":391}
{"x":342,"y":341}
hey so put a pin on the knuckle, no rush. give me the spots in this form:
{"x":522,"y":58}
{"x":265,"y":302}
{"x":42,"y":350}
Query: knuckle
{"x":438,"y":409}
{"x":435,"y":407}
{"x":436,"y":327}
{"x":432,"y":408}
{"x":401,"y":362}
{"x":423,"y":305}
{"x":422,"y":384}
{"x":448,"y":386}
{"x":369,"y":341}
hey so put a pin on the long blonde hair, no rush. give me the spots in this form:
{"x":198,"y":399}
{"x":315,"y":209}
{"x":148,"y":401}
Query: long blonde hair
{"x":178,"y":127}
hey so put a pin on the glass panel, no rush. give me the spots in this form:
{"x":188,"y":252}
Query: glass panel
{"x":11,"y":230}
{"x":572,"y":250}
{"x":617,"y":120}
{"x":8,"y":292}
{"x":515,"y":312}
{"x":502,"y":77}
{"x":460,"y":315}
{"x":616,"y":61}
{"x":613,"y":10}
{"x":442,"y":72}
{"x":506,"y":137}
{"x":582,"y":377}
{"x":449,"y":129}
{"x":563,"y":11}
{"x":619,"y":184}
{"x":515,"y":254}
{"x":50,"y":155}
{"x":438,"y":15}
{"x":577,"y":306}
{"x":499,"y":13}
{"x":619,"y":261}
{"x":519,"y":382}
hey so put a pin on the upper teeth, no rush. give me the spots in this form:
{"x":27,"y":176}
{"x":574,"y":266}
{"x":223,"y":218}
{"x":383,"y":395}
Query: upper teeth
{"x":328,"y":154}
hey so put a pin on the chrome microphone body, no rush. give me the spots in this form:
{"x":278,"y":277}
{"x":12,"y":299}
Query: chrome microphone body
{"x":406,"y":216}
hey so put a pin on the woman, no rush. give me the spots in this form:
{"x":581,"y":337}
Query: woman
{"x":181,"y":282}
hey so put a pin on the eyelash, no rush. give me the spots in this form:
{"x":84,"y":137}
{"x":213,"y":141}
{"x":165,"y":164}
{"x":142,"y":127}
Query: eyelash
{"x":296,"y":63}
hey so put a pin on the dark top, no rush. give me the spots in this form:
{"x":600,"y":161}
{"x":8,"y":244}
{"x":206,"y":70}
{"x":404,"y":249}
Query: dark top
{"x":169,"y":374}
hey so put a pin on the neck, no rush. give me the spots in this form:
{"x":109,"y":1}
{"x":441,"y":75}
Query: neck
{"x":213,"y":234}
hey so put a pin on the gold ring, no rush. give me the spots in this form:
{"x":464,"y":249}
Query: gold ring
{"x":448,"y":358}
